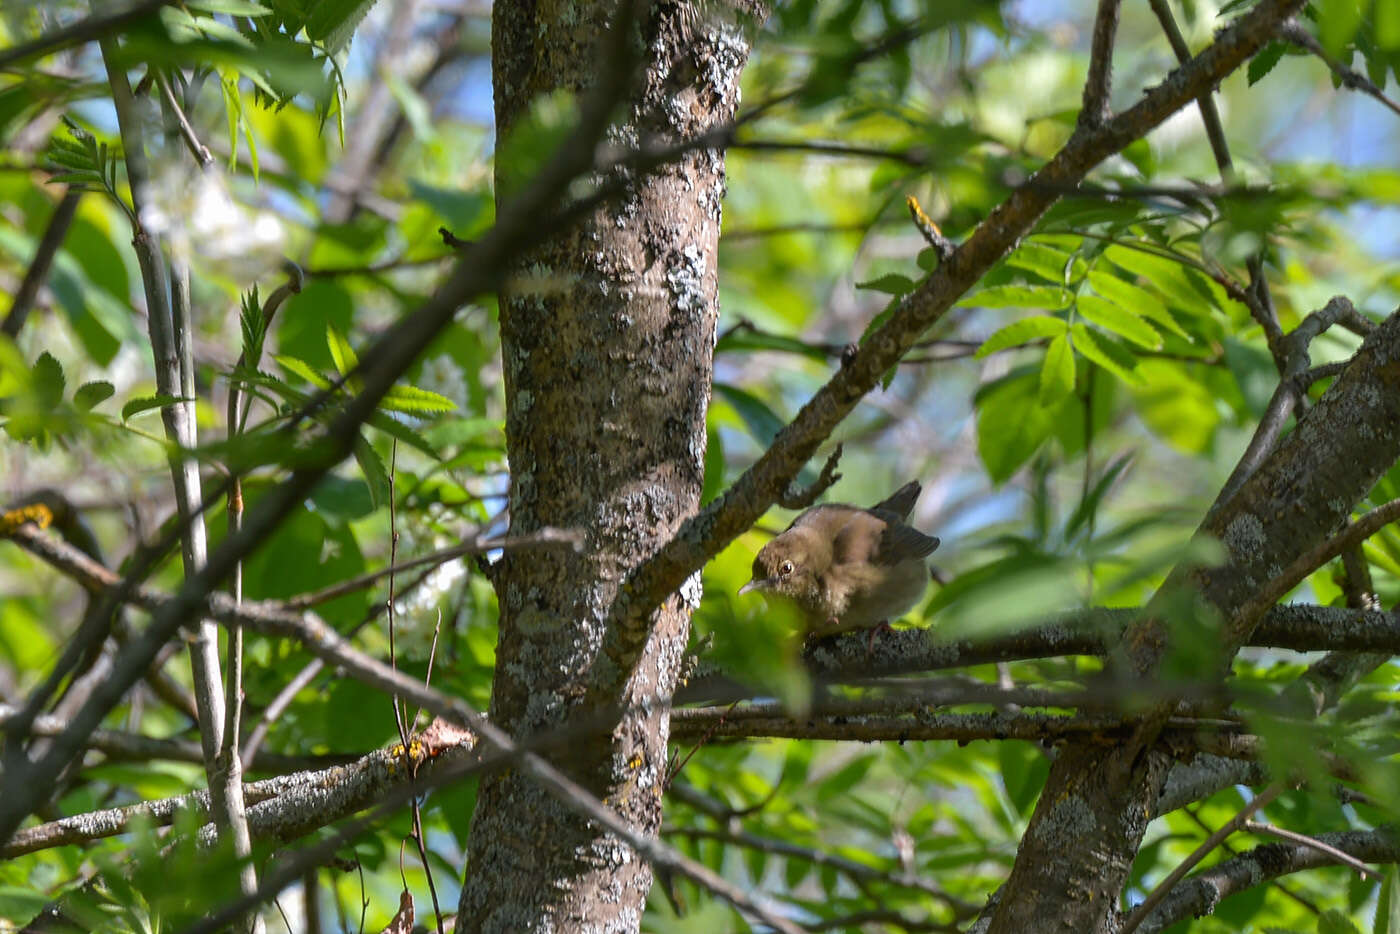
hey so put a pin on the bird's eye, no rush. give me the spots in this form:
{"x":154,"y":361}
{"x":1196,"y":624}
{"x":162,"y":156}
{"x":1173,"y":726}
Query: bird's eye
{"x":785,"y":568}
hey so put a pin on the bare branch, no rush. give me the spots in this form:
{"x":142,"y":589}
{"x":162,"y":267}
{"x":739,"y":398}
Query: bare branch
{"x":735,"y":512}
{"x":326,"y":643}
{"x":1098,"y":85}
{"x":1354,"y":534}
{"x":1155,"y":897}
{"x":1293,"y":32}
{"x":38,"y":271}
{"x":1210,"y":116}
{"x":85,"y":30}
{"x":795,"y":498}
{"x":198,"y":150}
{"x":1199,"y":895}
{"x":475,"y":543}
{"x":1346,"y":859}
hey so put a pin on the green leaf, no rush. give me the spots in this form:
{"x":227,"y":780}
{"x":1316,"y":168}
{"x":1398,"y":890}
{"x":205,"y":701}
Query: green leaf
{"x":466,"y":212}
{"x":1114,"y":317}
{"x":394,"y":428}
{"x":252,"y":325}
{"x":415,"y":109}
{"x":761,"y":421}
{"x":304,"y":370}
{"x":1136,"y":299}
{"x":714,"y":467}
{"x":1387,"y":16}
{"x":1057,"y":371}
{"x":334,"y":21}
{"x":1338,"y":21}
{"x":415,"y":401}
{"x":1264,"y":60}
{"x":891,"y":284}
{"x":230,"y":7}
{"x":1102,"y":350}
{"x":1018,"y":296}
{"x":376,"y":476}
{"x":1021,"y":332}
{"x":1388,"y":904}
{"x":1023,"y":772}
{"x":341,"y":351}
{"x":90,"y":394}
{"x":1050,"y":263}
{"x":1089,"y":505}
{"x":47,"y":380}
{"x":740,"y":340}
{"x":146,"y":403}
{"x":1011,"y":423}
{"x":1176,"y":407}
{"x":340,"y":498}
{"x":1334,"y":921}
{"x":1166,"y":275}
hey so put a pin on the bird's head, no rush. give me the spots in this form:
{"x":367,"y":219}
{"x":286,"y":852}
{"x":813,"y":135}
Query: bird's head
{"x":788,"y":566}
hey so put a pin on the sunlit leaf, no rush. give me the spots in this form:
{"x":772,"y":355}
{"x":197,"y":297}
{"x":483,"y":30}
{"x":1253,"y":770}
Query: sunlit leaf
{"x":1023,"y":331}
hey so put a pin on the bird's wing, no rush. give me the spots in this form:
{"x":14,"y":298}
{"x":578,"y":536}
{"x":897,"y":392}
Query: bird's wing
{"x":901,"y":501}
{"x":902,"y":542}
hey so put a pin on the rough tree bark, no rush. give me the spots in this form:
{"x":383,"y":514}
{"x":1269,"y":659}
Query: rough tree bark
{"x":607,"y":341}
{"x":1097,"y":801}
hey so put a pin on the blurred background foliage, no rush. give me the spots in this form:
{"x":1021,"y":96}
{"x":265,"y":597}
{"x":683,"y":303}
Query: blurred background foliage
{"x":1070,"y":420}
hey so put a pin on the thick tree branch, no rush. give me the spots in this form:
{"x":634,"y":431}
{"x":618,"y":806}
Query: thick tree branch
{"x":1353,"y":535}
{"x":1155,"y":897}
{"x":1199,"y":895}
{"x":1291,"y":504}
{"x":326,"y":643}
{"x":691,"y":724}
{"x":729,"y":516}
{"x":528,"y":219}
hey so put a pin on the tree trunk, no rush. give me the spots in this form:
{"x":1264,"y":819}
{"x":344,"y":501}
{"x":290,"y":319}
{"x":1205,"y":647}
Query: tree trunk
{"x":1097,"y":800}
{"x":607,"y":343}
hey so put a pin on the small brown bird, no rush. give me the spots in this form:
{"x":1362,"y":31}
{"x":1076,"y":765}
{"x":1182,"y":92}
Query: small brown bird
{"x":846,"y":567}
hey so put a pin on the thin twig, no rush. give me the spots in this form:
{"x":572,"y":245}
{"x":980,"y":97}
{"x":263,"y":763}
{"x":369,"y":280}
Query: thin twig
{"x":1294,"y":32}
{"x":301,"y":679}
{"x":1361,"y":869}
{"x":1210,"y":116}
{"x":38,"y":272}
{"x":323,"y":641}
{"x":476,"y":543}
{"x":198,"y":150}
{"x":84,"y":30}
{"x":1098,"y":85}
{"x":1140,"y":913}
{"x":915,"y":157}
{"x":1354,"y":534}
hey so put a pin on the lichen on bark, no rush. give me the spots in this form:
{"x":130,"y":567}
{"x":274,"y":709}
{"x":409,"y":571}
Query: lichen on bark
{"x":608,"y":333}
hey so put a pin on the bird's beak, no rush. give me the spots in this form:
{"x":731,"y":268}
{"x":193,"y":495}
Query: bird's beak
{"x":758,"y":583}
